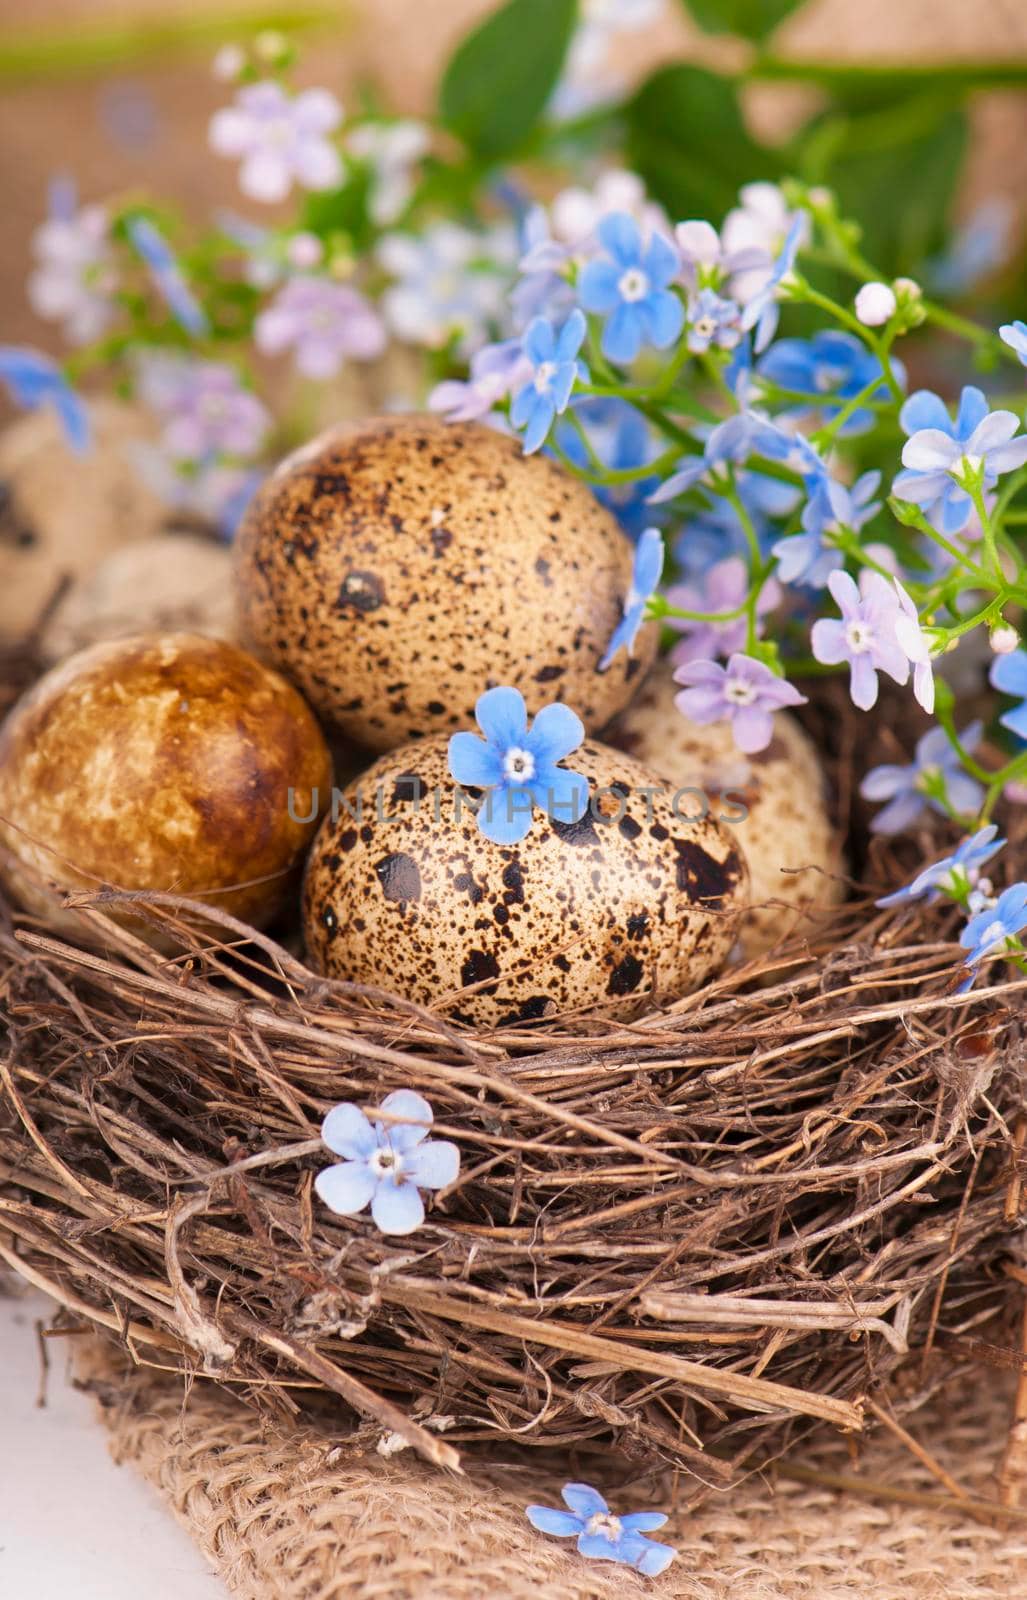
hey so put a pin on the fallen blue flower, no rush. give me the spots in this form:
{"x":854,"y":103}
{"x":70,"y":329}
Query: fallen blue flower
{"x":602,"y":1536}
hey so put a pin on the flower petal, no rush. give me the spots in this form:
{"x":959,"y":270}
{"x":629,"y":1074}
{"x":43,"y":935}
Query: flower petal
{"x":622,"y":335}
{"x":993,"y":430}
{"x":434,"y":1164}
{"x":473,"y":763}
{"x":408,"y":1118}
{"x":619,"y":236}
{"x":561,"y":794}
{"x":930,"y":450}
{"x":973,"y":408}
{"x":597,"y":287}
{"x":502,"y":717}
{"x":539,"y":341}
{"x":397,"y":1207}
{"x":643,"y":1521}
{"x":753,"y":728}
{"x":555,"y":732}
{"x":583,"y":1500}
{"x":506,"y":815}
{"x":547,"y":1519}
{"x":348,"y":1132}
{"x":347,"y":1187}
{"x":924,"y":410}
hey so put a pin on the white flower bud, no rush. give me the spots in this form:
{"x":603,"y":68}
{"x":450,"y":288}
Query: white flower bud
{"x":304,"y":250}
{"x":228,"y":63}
{"x":875,"y":304}
{"x":907,"y":289}
{"x":1004,"y":640}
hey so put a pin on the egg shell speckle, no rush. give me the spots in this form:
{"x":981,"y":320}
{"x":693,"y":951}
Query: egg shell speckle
{"x":602,"y":914}
{"x":162,"y":762}
{"x":396,"y":569}
{"x":792,"y":847}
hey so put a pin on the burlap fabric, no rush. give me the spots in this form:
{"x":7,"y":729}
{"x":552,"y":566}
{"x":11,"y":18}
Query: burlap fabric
{"x":287,"y":1513}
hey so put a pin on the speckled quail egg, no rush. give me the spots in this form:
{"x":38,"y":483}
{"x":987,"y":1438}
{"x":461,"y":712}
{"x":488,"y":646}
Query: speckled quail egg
{"x":775,"y":803}
{"x":395,"y":568}
{"x":634,"y":901}
{"x":177,"y":582}
{"x":60,"y":513}
{"x":163,"y":762}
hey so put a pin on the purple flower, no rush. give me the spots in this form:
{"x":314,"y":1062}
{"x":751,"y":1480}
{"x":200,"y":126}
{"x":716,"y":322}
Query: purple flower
{"x":33,"y":380}
{"x":628,"y":285}
{"x":386,"y":1162}
{"x":724,"y":588}
{"x":707,"y":263}
{"x":954,"y":874}
{"x":519,"y":767}
{"x":280,"y":139}
{"x":865,"y":637}
{"x":994,"y":931}
{"x":167,"y":276}
{"x":324,"y":323}
{"x":645,"y":575}
{"x":75,"y":278}
{"x":1009,"y":675}
{"x":206,"y":410}
{"x":603,"y":1536}
{"x":555,"y":369}
{"x":935,"y":775}
{"x":762,"y":311}
{"x":939,"y":453}
{"x":745,"y":692}
{"x":496,"y":371}
{"x":730,"y":442}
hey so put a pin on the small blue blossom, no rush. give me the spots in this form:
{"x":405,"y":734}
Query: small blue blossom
{"x":167,"y":276}
{"x":831,"y":369}
{"x":1014,"y":334}
{"x":935,"y":772}
{"x":1009,"y":674}
{"x":645,"y":575}
{"x":33,"y":380}
{"x":517,"y":766}
{"x":954,"y":874}
{"x":385,"y":1163}
{"x":602,"y":1536}
{"x":728,"y":443}
{"x":939,"y":453}
{"x":994,"y":931}
{"x":621,"y":438}
{"x":555,"y":368}
{"x":713,"y":322}
{"x":805,"y":558}
{"x":762,"y":311}
{"x":629,"y":286}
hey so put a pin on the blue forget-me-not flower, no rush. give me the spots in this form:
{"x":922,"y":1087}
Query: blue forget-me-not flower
{"x":517,"y":766}
{"x":385,"y":1163}
{"x":628,"y":285}
{"x":601,"y":1535}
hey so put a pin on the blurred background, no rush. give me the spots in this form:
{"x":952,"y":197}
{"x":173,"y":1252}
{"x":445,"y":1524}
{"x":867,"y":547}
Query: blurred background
{"x":120,"y":92}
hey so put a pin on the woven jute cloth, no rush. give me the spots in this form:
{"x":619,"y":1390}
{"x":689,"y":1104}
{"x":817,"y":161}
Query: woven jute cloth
{"x":287,"y":1512}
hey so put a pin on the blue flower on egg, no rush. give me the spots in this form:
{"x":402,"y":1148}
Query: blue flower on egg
{"x":645,"y":576}
{"x":385,"y":1163}
{"x":628,"y":285}
{"x":555,"y":368}
{"x":517,"y":766}
{"x":601,"y":1535}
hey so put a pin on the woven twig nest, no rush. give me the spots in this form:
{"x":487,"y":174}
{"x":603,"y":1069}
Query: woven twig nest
{"x":682,"y":1237}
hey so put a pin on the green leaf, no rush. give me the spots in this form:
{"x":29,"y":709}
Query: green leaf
{"x":895,"y":169}
{"x":687,"y":138}
{"x":500,"y":78}
{"x":753,"y":19}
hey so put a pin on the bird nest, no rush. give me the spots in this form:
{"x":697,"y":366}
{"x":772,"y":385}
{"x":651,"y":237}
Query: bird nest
{"x":682,"y":1238}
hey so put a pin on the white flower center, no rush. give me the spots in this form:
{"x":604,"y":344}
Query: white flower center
{"x":633,"y":284}
{"x":519,"y":765}
{"x":278,"y":131}
{"x":386,"y":1162}
{"x":859,"y":637}
{"x":967,"y":467}
{"x":606,"y":1524}
{"x":739,"y":692}
{"x":545,"y":372}
{"x":705,"y":327}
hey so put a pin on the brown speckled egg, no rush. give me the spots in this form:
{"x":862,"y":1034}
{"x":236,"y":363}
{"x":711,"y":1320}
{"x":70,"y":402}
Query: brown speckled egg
{"x":631,"y":903}
{"x":790,"y":843}
{"x":160,"y":762}
{"x":395,"y":569}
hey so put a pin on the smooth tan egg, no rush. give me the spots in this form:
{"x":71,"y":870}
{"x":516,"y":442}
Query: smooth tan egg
{"x":60,"y":513}
{"x":163,"y":762}
{"x":177,"y":582}
{"x":604,"y":915}
{"x":394,"y":569}
{"x":775,"y":803}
